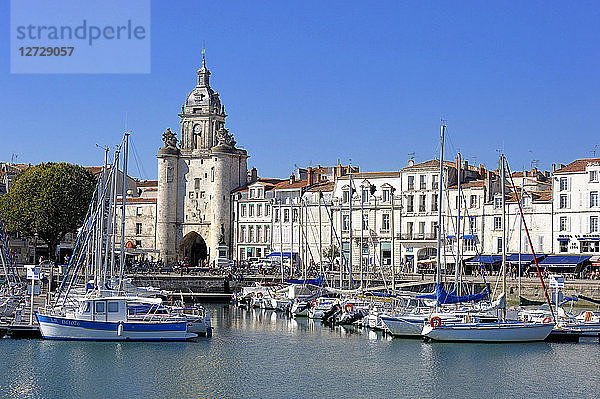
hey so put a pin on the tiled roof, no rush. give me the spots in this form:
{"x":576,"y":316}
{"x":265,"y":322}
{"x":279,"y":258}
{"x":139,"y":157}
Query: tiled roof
{"x":578,"y":165}
{"x":286,"y":185}
{"x":470,"y":184}
{"x":434,"y":163}
{"x":367,"y":175}
{"x":267,"y":182}
{"x":130,"y":200}
{"x":536,"y":195}
{"x":146,"y":183}
{"x":325,"y":186}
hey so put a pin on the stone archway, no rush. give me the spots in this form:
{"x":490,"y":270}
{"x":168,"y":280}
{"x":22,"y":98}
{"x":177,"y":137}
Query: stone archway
{"x":192,"y":249}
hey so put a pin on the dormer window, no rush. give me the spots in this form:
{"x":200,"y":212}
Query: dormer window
{"x":386,"y":195}
{"x":497,"y":202}
{"x":346,"y":196}
{"x":526,"y":200}
{"x":593,"y":176}
{"x":251,"y":193}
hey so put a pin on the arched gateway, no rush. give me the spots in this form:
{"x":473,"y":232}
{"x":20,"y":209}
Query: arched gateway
{"x":192,"y":249}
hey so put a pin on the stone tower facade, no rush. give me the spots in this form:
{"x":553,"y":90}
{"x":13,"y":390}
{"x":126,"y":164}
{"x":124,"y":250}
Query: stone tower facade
{"x":195,"y":178}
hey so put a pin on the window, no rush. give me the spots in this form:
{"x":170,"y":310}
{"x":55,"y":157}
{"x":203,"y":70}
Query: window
{"x":243,"y":234}
{"x":346,"y":196}
{"x":258,"y":233}
{"x":191,"y":194}
{"x":497,"y":223}
{"x":346,"y":222}
{"x":267,"y":210}
{"x":99,"y":307}
{"x":564,"y":184}
{"x":593,"y":175}
{"x":365,"y":195}
{"x":422,"y":203}
{"x":113,"y":307}
{"x":434,"y":182}
{"x":251,"y":210}
{"x":497,"y":202}
{"x":423,"y":182}
{"x":473,"y":201}
{"x":434,"y":202}
{"x":138,"y":211}
{"x":499,"y":245}
{"x":259,"y":210}
{"x":295,"y":215}
{"x":286,"y":215}
{"x":138,"y":229}
{"x":421,"y":229}
{"x":276,"y":216}
{"x":527,"y":200}
{"x":212,"y":174}
{"x":365,"y":222}
{"x":469,"y":245}
{"x":243,"y":210}
{"x":386,"y":195}
{"x":563,"y":223}
{"x":409,"y":204}
{"x":564,"y":246}
{"x":564,"y":201}
{"x":251,"y":234}
{"x":593,"y":198}
{"x":267,"y":233}
{"x":434,"y":229}
{"x":457,"y":201}
{"x":409,"y":230}
{"x":593,"y":224}
{"x":590,"y":246}
{"x":385,"y":222}
{"x":541,"y":244}
{"x":138,"y":243}
{"x":473,"y":226}
{"x":251,"y":193}
{"x":259,"y":192}
{"x":411,"y":182}
{"x":197,"y":184}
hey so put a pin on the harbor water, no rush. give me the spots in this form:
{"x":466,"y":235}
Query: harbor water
{"x":257,"y":353}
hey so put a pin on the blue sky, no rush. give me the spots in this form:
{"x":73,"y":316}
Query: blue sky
{"x":314,"y":82}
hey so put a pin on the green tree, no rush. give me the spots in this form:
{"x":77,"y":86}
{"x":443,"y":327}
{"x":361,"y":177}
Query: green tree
{"x":50,"y":200}
{"x":331,"y":252}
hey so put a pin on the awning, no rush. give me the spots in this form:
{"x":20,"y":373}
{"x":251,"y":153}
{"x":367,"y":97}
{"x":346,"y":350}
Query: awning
{"x":278,"y":254}
{"x":571,"y":261}
{"x":486,"y":259}
{"x":562,"y":239}
{"x":469,"y":237}
{"x":595,"y":260}
{"x":525,"y":258}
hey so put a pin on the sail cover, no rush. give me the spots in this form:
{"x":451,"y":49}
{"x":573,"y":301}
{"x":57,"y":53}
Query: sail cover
{"x":444,"y":297}
{"x":315,"y":281}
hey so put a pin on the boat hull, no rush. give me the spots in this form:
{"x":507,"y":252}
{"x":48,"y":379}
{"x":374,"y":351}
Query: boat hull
{"x":63,"y":328}
{"x":492,"y":332}
{"x":403,"y":326}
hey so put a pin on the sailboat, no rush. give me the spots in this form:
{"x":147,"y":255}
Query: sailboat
{"x":107,"y":314}
{"x":482,"y":328}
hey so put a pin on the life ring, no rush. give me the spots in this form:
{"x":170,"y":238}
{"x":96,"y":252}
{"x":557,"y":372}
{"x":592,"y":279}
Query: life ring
{"x":547,"y":320}
{"x":435,"y":322}
{"x":259,"y":295}
{"x":313,"y":303}
{"x":348,"y":308}
{"x":588,"y":316}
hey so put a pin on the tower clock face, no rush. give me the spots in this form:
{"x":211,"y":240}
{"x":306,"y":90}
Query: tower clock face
{"x":198,"y":129}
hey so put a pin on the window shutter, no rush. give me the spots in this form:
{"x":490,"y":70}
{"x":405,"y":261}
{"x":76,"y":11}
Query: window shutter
{"x":568,"y":201}
{"x":568,"y":223}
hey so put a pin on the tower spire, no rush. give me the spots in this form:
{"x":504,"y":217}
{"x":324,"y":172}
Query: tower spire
{"x":203,"y":53}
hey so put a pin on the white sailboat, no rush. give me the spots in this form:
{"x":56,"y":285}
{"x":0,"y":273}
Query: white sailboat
{"x":100,"y":314}
{"x":480,"y":329}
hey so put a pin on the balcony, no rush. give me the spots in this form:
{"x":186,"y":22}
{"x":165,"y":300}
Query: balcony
{"x":418,"y":236}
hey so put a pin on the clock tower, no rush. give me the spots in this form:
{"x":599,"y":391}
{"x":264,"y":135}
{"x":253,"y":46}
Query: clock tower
{"x":195,"y":180}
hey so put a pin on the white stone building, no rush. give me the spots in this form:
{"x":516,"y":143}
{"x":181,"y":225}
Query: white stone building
{"x":195,"y":180}
{"x":575,"y":194}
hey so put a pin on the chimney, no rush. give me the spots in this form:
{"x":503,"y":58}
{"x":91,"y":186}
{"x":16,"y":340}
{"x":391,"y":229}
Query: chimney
{"x":553,"y":167}
{"x":309,"y":176}
{"x":292,"y":178}
{"x":482,"y":173}
{"x":252,"y":175}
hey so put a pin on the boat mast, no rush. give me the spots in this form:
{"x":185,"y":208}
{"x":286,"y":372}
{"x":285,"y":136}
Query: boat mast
{"x":503,"y":193}
{"x":520,"y":230}
{"x":281,"y":239}
{"x":320,"y":236}
{"x":123,"y":196}
{"x":350,"y":228}
{"x":362,"y":226}
{"x":113,"y":221}
{"x":438,"y":277}
{"x":458,"y":238}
